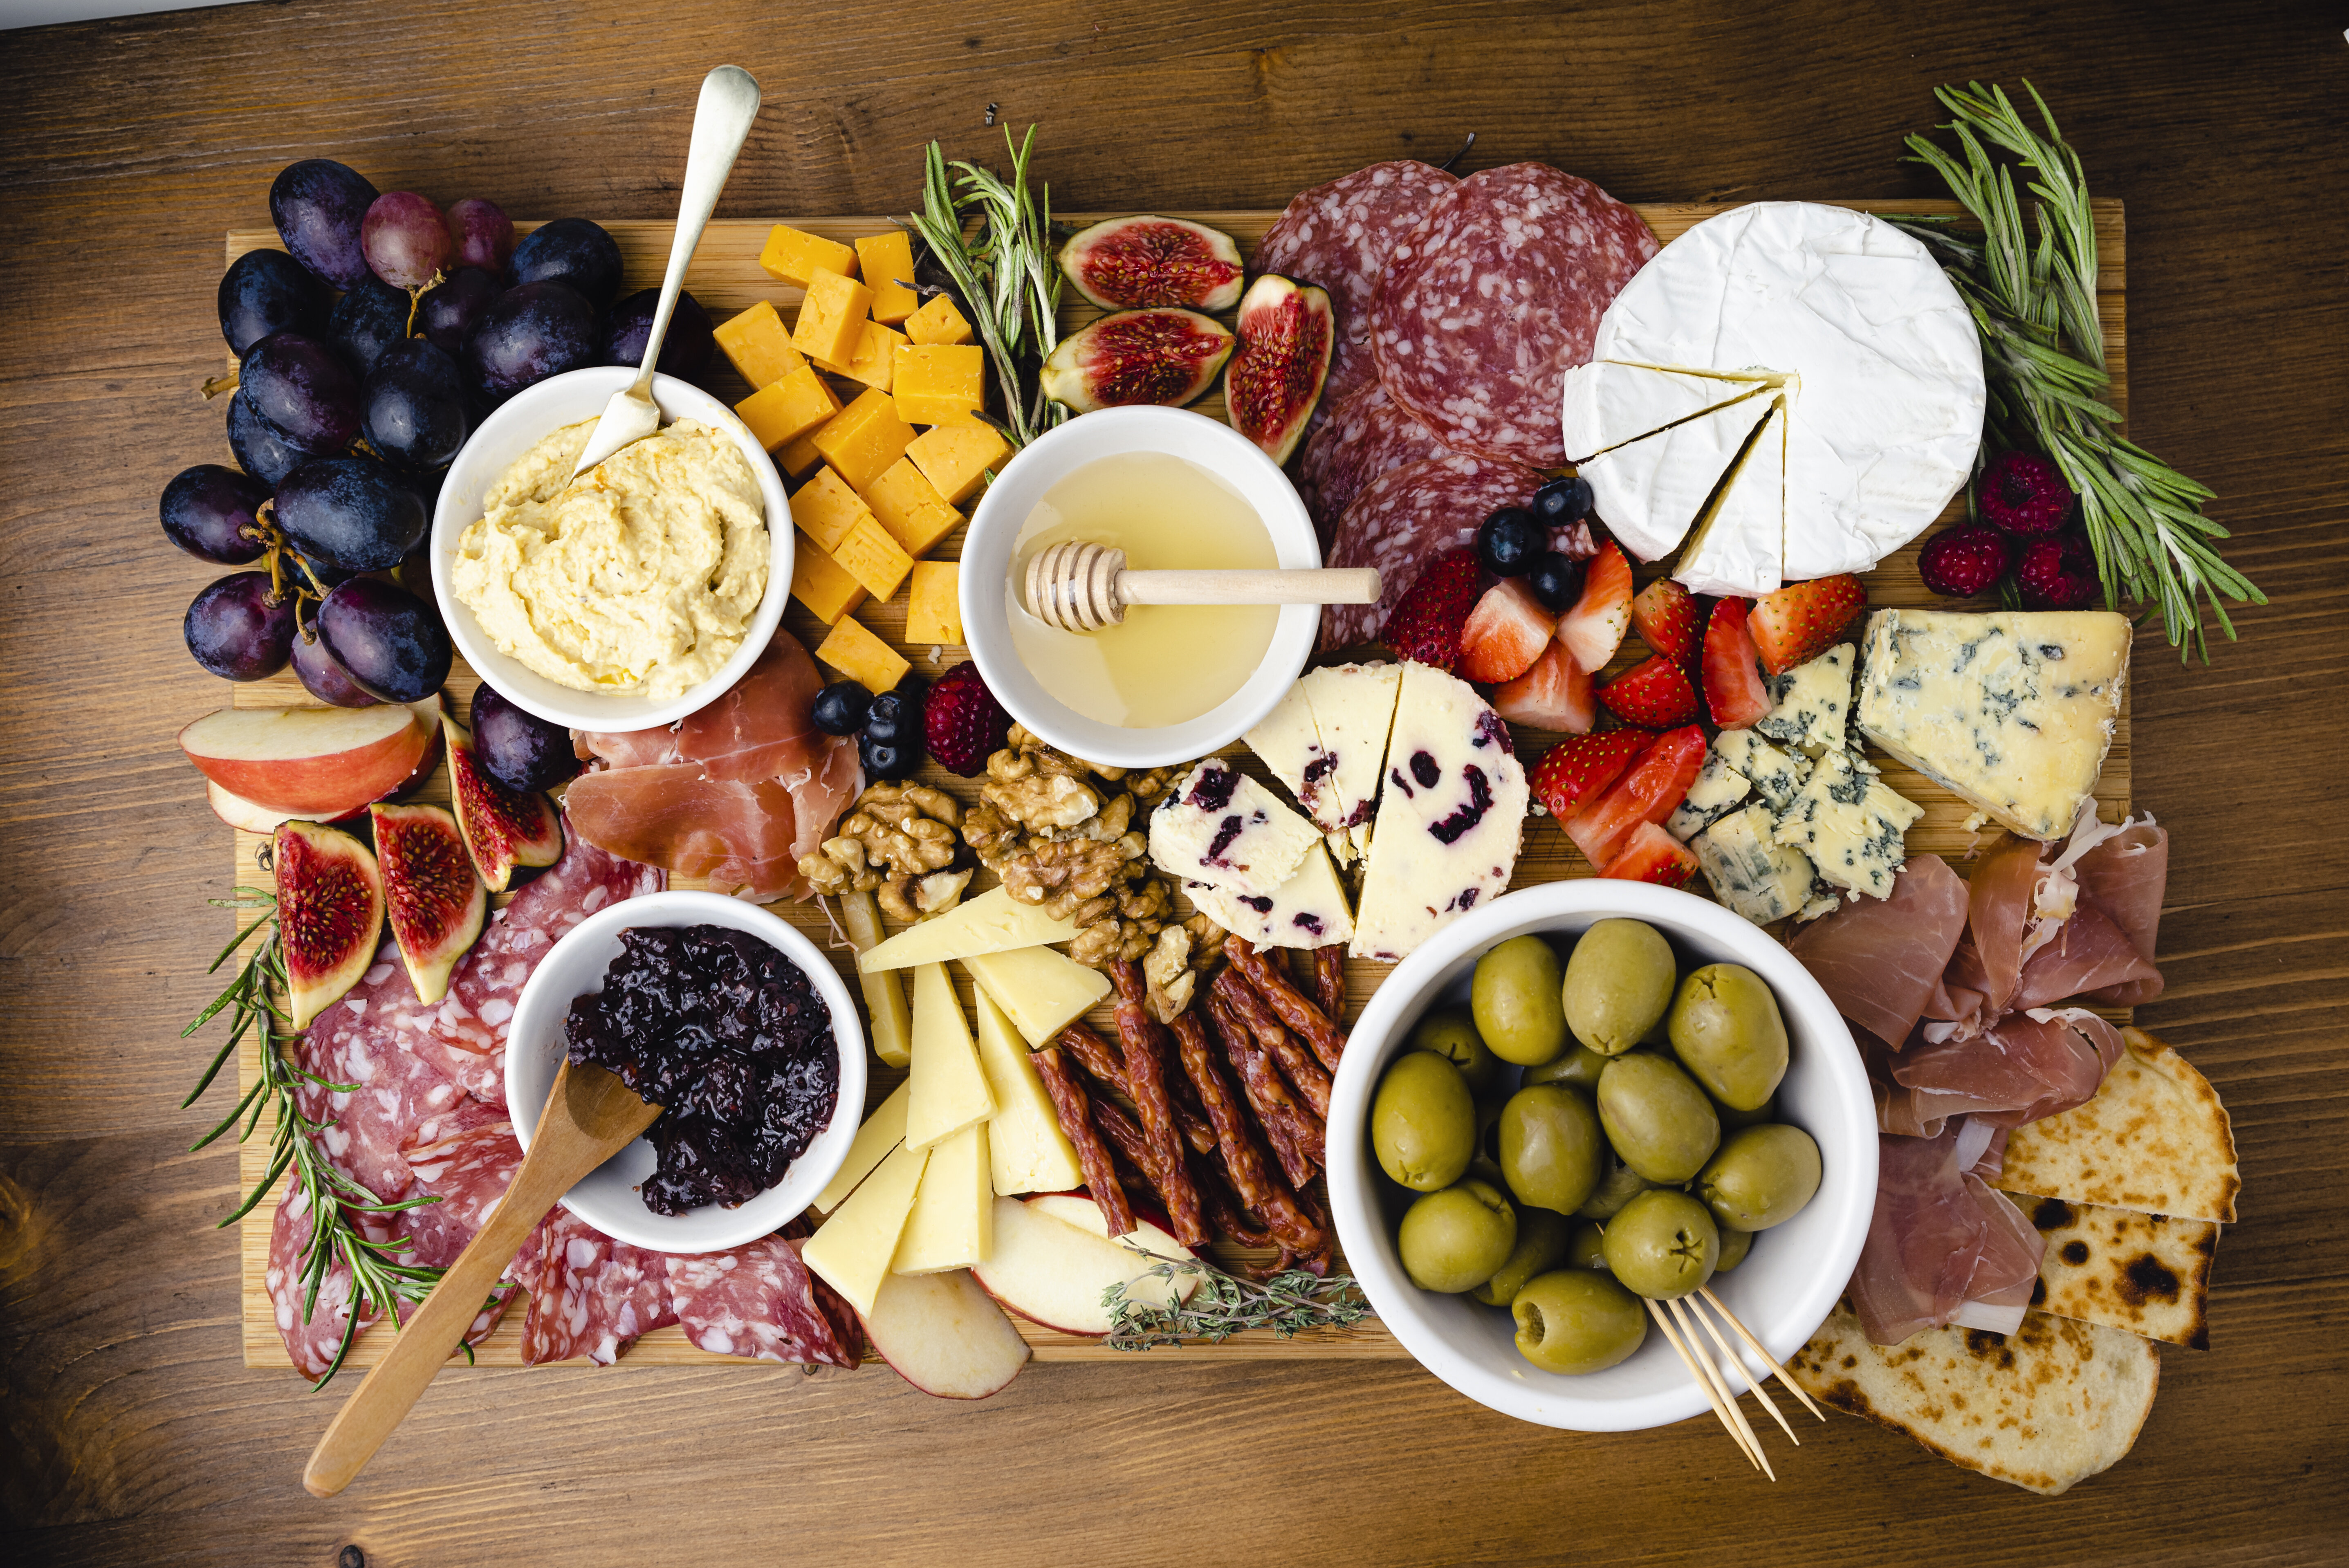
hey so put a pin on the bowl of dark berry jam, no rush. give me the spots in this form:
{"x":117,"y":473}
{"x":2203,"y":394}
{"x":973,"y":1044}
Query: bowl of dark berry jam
{"x":737,"y":1026}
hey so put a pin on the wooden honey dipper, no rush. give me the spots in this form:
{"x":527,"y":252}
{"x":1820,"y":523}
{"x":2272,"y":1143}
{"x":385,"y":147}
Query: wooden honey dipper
{"x":1081,"y":587}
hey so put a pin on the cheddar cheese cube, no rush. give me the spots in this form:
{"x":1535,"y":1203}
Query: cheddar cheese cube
{"x":886,"y":262}
{"x":940,"y":383}
{"x":785,"y":410}
{"x":863,"y":657}
{"x":937,"y":321}
{"x":863,"y":439}
{"x":822,"y":583}
{"x":873,"y":558}
{"x":757,"y":344}
{"x":798,"y":456}
{"x":796,"y":257}
{"x":934,"y":607}
{"x":955,"y":458}
{"x":832,"y":317}
{"x":910,"y":507}
{"x":874,"y":357}
{"x":827,"y":508}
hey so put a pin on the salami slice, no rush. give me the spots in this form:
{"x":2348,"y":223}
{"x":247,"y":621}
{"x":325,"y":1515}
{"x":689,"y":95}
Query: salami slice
{"x":1359,"y":439}
{"x":364,"y":1040}
{"x":847,"y":1330}
{"x":311,"y":1344}
{"x":469,"y":1172}
{"x":757,"y":1300}
{"x":1408,"y":515}
{"x":1488,"y":305}
{"x":591,"y":1295}
{"x":1340,"y":235}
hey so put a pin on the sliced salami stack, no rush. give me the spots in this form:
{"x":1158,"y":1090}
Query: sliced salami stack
{"x":1408,"y":515}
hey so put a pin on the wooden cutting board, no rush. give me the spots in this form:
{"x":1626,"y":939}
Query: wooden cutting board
{"x":726,"y":278}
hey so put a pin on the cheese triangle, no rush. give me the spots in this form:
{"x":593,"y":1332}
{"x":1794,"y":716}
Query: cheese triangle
{"x":1651,"y":490}
{"x":1738,"y":547}
{"x":1607,"y":403}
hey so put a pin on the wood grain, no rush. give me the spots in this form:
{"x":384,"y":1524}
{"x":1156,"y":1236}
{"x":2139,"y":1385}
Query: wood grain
{"x":130,"y":1431}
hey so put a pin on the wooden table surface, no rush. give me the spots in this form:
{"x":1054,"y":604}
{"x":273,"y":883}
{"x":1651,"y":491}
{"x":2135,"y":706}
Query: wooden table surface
{"x":131,"y":1430}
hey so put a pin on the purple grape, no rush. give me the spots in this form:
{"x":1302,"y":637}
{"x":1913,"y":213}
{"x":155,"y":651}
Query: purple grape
{"x":447,"y":312}
{"x":350,"y":513}
{"x":268,"y":290}
{"x":517,"y":748}
{"x":405,"y":238}
{"x":367,"y":321}
{"x":391,"y":643}
{"x":687,"y":347}
{"x":416,"y":412}
{"x":261,"y":450}
{"x":527,"y":335}
{"x":237,"y":631}
{"x":482,"y":233}
{"x":318,"y":672}
{"x":208,"y":508}
{"x":573,"y":251}
{"x":303,"y":389}
{"x":319,"y":206}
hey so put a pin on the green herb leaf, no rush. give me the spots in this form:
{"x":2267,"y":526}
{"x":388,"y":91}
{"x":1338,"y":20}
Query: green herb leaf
{"x":1224,"y":1304}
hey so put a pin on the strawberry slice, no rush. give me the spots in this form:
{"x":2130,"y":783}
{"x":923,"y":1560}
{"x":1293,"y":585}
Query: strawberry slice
{"x":1666,"y":616}
{"x":1655,"y":694}
{"x":1655,"y":784}
{"x":1593,"y":628}
{"x":1801,"y":621}
{"x":1734,"y":692}
{"x":1577,"y":770}
{"x":1425,"y":623}
{"x":1554,"y":695}
{"x":1506,"y":633}
{"x":1652,"y":855}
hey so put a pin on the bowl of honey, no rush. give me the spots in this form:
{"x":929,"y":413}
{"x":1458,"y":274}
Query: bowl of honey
{"x":1176,"y":491}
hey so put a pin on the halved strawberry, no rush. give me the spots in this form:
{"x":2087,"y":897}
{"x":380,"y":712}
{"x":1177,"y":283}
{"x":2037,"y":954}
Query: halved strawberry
{"x":1506,"y":633}
{"x":1578,"y":770}
{"x":1653,"y":693}
{"x":1666,"y":616}
{"x":1426,"y":623}
{"x":1593,"y":628}
{"x":1655,"y":784}
{"x":1801,"y":621}
{"x":1652,"y":855}
{"x":1553,"y":695}
{"x":1734,"y":692}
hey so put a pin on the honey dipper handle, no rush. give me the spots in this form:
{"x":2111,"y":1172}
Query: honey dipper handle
{"x":1319,"y":585}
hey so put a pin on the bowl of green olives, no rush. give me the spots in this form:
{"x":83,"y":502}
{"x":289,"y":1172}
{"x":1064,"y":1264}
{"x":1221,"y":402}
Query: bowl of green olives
{"x":1581,"y":1098}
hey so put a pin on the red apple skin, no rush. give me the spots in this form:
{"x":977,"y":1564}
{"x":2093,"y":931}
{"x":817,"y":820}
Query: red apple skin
{"x":286,"y":776}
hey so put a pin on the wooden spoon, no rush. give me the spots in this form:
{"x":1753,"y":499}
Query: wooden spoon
{"x":590,"y":1116}
{"x":1080,"y":586}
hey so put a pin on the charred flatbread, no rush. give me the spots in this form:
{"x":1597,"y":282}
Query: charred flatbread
{"x":2147,"y":1273}
{"x":2154,"y":1139}
{"x":2044,"y":1407}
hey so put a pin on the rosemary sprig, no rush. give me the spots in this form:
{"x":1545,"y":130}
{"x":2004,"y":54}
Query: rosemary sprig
{"x":1224,"y":1304}
{"x":2034,"y":301}
{"x":380,"y":1281}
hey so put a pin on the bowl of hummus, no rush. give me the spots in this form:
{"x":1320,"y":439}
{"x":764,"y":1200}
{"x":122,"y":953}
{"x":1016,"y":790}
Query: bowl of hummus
{"x":633,"y":596}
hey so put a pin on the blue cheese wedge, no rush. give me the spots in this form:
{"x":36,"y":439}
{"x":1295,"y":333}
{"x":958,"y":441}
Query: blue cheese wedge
{"x":1222,"y":828}
{"x":1811,"y":704}
{"x":1716,"y":792}
{"x":1851,"y":825}
{"x":2012,"y":712}
{"x":1325,"y":742}
{"x":1750,"y":871}
{"x":1309,"y":909}
{"x":1776,"y":775}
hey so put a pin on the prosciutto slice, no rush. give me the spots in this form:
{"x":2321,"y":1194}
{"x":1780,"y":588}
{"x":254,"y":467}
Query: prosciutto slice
{"x":1939,"y":1239}
{"x":757,"y":1300}
{"x":1880,"y":960}
{"x":2025,"y":1067}
{"x":589,"y":1294}
{"x":2123,"y":878}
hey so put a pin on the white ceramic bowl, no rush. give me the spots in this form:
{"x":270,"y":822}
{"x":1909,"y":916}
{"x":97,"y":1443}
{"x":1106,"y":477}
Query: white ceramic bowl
{"x":1782,"y":1290}
{"x":608,"y":1199}
{"x":987,"y":554}
{"x":519,"y":425}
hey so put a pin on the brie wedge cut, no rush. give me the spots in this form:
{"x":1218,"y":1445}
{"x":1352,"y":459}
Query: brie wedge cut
{"x":1738,"y":547}
{"x":1650,"y":492}
{"x":1608,"y":403}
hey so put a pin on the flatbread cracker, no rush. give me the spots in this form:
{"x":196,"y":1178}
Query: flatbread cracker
{"x":2154,"y":1139}
{"x":2144,"y":1273}
{"x":2044,"y":1407}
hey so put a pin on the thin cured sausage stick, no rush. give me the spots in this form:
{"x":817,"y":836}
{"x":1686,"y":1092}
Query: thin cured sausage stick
{"x":1258,"y":1188}
{"x":1145,"y":1068}
{"x":1101,"y":1059}
{"x":1222,"y":1208}
{"x":1073,"y":1108}
{"x":1168,"y":1175}
{"x":1328,"y":1041}
{"x":1277,"y":1110}
{"x":1297,"y":1064}
{"x":1329,"y":981}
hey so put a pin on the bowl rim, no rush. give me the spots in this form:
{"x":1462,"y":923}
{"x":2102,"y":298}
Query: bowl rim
{"x":539,"y":1011}
{"x":1528,"y":1393}
{"x":526,"y":409}
{"x":995,"y":525}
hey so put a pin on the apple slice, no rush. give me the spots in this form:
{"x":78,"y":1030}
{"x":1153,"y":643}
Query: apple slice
{"x":942,"y":1334}
{"x":1052,"y":1271}
{"x":315,"y":762}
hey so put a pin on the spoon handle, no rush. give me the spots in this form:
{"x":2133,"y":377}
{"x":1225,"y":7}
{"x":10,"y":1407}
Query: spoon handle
{"x":1317,"y":585}
{"x":730,"y":102}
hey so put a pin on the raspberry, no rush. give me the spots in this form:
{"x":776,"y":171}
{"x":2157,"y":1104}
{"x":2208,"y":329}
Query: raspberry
{"x":2058,"y":574}
{"x":964,"y":723}
{"x":1964,"y":561}
{"x":2025,"y":494}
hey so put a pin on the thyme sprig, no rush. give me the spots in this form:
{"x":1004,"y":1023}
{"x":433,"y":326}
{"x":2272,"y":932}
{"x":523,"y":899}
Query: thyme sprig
{"x":380,"y":1281}
{"x":2034,"y":301}
{"x":1224,"y":1304}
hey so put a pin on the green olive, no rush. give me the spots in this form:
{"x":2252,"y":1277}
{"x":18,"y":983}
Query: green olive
{"x":1725,"y":1028}
{"x":1733,"y":1116}
{"x":1577,"y":1067}
{"x":1618,"y":1185}
{"x":1762,"y":1177}
{"x":1587,"y":1247}
{"x":1541,"y":1247}
{"x":1423,"y":1121}
{"x":1618,"y":984}
{"x":1452,"y":1241}
{"x":1515,"y":1000}
{"x":1663,"y":1245}
{"x":1734,"y":1245}
{"x":1576,"y":1321}
{"x":1657,"y":1119}
{"x":1551,"y":1149}
{"x":1452,"y":1032}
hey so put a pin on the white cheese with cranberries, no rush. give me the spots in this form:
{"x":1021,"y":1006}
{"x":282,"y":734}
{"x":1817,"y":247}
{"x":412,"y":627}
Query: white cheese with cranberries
{"x":1750,"y":871}
{"x":1813,"y":702}
{"x":1309,"y":909}
{"x":1222,"y":828}
{"x":1607,"y":404}
{"x":1326,"y":740}
{"x":1851,"y":824}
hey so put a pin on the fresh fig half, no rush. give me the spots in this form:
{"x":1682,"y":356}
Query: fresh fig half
{"x":503,"y":828}
{"x":329,"y":912}
{"x":1166,"y":355}
{"x":1129,"y":264}
{"x":431,"y":894}
{"x":1286,"y":331}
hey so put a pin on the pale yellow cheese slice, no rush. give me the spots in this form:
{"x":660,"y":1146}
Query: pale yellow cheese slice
{"x":950,"y":1092}
{"x":882,"y":1130}
{"x":852,"y":1252}
{"x":953,"y":1222}
{"x":1026,"y":1151}
{"x":1042,"y":991}
{"x":994,"y":922}
{"x":884,"y":993}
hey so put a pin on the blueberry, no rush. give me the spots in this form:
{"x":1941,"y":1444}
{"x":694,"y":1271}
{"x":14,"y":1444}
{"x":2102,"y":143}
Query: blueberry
{"x":1555,"y":579}
{"x":840,"y":707}
{"x":884,"y":760}
{"x":1509,"y":541}
{"x":895,"y":719}
{"x":1563,"y":502}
